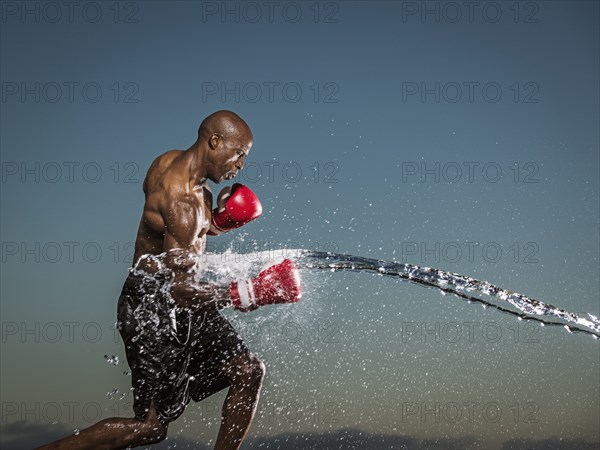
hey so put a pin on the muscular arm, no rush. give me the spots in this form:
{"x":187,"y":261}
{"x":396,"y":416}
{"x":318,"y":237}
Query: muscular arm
{"x":198,"y":294}
{"x":184,"y":220}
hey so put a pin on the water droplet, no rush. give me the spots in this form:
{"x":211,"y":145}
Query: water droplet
{"x":114,"y":360}
{"x":111,"y":394}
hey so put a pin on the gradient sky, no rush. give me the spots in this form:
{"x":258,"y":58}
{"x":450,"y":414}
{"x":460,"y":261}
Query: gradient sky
{"x":348,"y":102}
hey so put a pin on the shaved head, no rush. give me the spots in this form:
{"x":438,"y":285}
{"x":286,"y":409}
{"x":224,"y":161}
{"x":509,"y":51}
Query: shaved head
{"x":224,"y":141}
{"x":226,"y":124}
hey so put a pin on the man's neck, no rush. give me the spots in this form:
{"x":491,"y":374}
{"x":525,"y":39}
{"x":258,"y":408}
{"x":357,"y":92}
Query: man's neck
{"x":197,"y":167}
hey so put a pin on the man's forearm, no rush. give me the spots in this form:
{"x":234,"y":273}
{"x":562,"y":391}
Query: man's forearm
{"x":187,"y":290}
{"x":195,"y":294}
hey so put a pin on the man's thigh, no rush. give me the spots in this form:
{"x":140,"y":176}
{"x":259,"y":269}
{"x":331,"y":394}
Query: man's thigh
{"x":216,"y":347}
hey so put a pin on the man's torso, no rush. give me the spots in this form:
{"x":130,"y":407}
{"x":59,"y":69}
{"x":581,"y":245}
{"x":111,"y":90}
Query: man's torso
{"x":165,"y":181}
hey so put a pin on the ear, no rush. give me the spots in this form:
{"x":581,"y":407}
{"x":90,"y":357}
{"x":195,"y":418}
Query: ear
{"x":214,"y":141}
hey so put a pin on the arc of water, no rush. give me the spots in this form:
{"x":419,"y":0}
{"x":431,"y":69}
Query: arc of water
{"x":455,"y":284}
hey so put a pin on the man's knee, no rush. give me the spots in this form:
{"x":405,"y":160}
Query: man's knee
{"x":258,"y":370}
{"x":249,"y":370}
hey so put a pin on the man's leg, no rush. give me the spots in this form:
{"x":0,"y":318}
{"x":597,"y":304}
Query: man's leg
{"x":245,"y":373}
{"x":116,"y":433}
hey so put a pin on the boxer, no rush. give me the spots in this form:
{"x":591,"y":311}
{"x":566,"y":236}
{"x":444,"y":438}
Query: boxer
{"x":178,"y":346}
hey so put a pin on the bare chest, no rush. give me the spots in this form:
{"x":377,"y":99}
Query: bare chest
{"x":204,"y":209}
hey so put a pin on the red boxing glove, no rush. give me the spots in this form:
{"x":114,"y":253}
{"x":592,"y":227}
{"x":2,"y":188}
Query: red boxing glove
{"x":277,"y":284}
{"x":241,"y":207}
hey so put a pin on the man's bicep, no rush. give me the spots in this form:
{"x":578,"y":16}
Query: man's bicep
{"x":181,"y":224}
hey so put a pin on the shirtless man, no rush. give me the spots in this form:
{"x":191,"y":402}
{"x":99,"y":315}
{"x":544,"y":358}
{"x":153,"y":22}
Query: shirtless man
{"x":177,"y":344}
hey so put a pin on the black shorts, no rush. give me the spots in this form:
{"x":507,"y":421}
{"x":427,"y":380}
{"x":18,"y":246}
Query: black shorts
{"x":175,"y":354}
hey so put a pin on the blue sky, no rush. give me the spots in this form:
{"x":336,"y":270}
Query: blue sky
{"x":393,"y":130}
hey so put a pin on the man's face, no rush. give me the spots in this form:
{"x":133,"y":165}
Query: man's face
{"x":229,"y":158}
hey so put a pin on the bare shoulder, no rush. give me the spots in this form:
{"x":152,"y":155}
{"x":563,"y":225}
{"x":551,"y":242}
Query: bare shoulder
{"x":166,"y":157}
{"x":158,"y":168}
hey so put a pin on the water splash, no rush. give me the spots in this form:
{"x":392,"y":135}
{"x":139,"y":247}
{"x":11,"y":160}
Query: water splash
{"x":112,"y":360}
{"x":110,"y":394}
{"x":222,"y":268}
{"x":455,"y":284}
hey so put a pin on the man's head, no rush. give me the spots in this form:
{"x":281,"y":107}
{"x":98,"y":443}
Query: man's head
{"x":227,"y":140}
